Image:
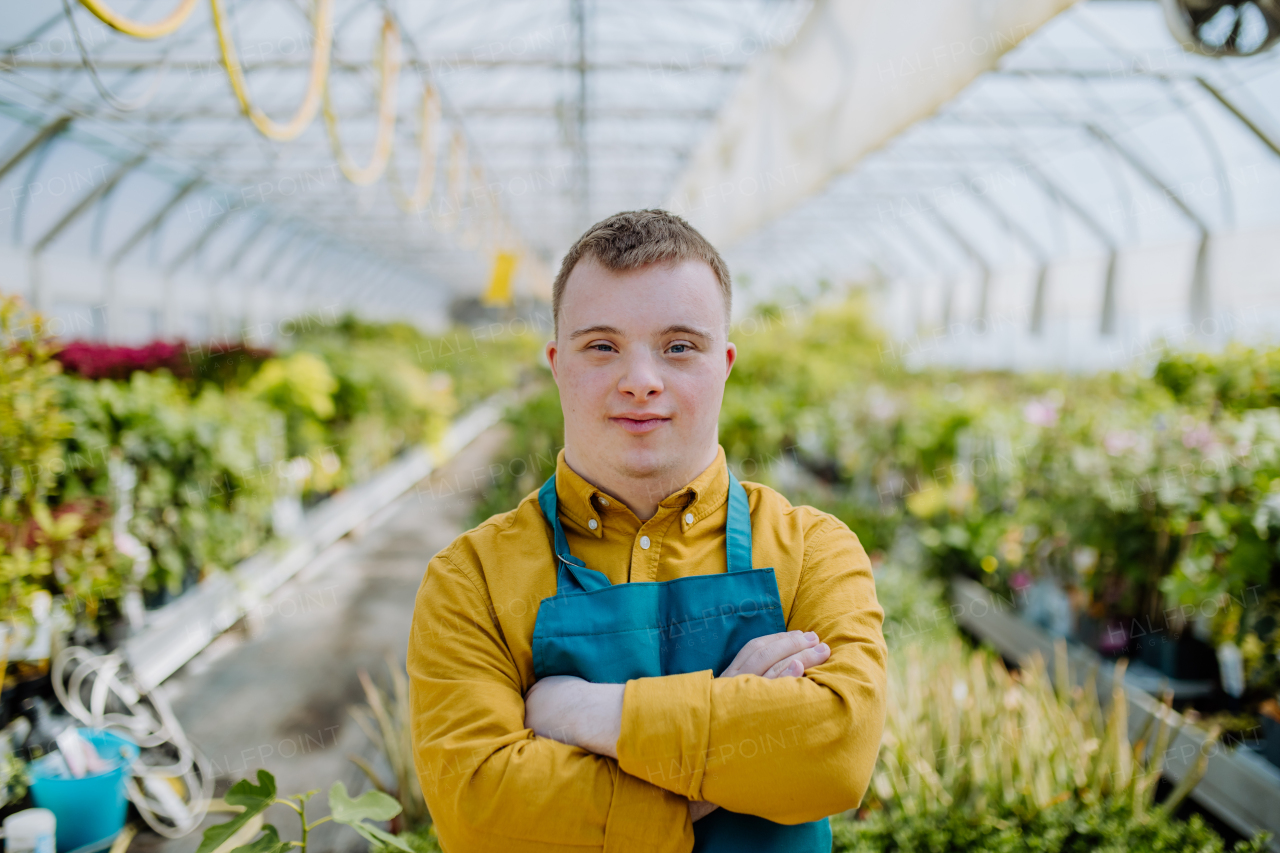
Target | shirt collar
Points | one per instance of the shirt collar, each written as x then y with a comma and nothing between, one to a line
582,502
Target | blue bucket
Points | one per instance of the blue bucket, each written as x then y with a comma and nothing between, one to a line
91,809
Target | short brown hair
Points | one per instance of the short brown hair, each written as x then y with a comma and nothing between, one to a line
637,238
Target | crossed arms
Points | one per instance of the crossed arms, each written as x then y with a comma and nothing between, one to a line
567,763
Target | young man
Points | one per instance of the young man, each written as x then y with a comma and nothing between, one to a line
646,654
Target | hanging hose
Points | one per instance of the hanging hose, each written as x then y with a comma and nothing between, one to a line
390,77
281,132
147,720
472,230
428,151
457,178
107,95
137,29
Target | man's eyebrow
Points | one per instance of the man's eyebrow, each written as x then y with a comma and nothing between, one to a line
608,330
688,330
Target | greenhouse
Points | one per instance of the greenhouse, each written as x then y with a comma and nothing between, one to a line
716,425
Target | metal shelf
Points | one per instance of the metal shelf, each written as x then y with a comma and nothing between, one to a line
1241,788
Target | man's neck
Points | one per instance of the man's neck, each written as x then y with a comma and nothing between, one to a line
641,495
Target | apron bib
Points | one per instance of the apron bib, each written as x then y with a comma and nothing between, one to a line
608,634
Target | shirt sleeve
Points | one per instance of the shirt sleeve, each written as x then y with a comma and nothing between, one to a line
490,783
792,749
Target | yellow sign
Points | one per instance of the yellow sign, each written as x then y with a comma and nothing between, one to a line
499,292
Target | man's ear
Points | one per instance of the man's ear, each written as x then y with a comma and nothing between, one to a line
551,352
730,356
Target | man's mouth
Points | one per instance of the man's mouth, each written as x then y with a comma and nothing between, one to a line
639,424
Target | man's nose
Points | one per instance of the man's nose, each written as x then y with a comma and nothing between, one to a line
641,377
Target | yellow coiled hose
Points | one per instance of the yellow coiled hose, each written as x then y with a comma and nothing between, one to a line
320,51
390,78
138,29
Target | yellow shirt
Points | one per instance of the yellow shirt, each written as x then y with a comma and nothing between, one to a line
790,749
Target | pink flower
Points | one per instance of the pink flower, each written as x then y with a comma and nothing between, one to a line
1199,436
1040,413
1118,441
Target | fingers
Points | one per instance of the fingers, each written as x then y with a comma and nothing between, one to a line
762,653
796,664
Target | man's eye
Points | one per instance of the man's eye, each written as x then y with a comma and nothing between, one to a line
598,347
679,349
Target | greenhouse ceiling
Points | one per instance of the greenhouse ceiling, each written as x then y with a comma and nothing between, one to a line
541,117
1077,182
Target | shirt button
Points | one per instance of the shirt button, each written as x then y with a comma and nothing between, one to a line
592,524
604,501
644,542
688,518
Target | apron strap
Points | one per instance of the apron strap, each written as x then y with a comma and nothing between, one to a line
737,529
573,575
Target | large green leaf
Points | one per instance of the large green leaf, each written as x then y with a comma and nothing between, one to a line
269,843
254,798
371,805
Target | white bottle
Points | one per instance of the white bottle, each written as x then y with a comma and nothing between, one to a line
30,831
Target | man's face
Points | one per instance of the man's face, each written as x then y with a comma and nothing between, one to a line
641,361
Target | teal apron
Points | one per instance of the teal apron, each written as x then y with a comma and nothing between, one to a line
609,634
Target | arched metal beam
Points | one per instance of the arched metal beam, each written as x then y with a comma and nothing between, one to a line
154,222
43,136
85,203
1198,301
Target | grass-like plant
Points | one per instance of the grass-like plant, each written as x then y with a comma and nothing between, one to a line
385,720
975,757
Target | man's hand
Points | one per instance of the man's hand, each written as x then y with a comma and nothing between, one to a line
776,655
577,712
772,656
698,809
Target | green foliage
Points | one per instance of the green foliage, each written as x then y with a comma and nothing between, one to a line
1237,379
48,545
301,387
1068,827
371,805
206,467
481,360
383,402
386,722
536,430
256,799
420,841
975,758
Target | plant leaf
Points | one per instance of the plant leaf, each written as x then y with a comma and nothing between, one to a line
269,843
381,837
254,798
371,805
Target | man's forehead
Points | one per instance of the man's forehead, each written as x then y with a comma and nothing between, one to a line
690,296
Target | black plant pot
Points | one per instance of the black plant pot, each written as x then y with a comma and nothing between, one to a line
1271,740
1184,658
1109,636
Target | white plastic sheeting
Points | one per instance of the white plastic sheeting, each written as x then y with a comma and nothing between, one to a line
1100,191
858,73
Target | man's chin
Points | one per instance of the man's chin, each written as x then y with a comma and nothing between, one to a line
644,462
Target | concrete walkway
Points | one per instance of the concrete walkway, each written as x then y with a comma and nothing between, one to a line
277,692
